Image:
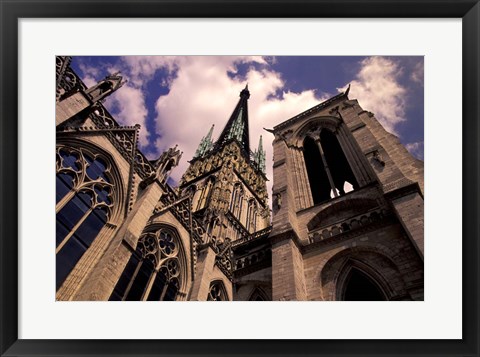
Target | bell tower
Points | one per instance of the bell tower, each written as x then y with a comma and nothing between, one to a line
347,208
227,180
227,185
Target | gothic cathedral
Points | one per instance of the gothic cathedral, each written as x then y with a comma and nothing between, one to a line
345,221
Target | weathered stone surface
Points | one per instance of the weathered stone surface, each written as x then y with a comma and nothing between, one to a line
221,216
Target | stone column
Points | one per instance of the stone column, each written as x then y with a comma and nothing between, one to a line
304,195
410,212
352,157
327,170
203,275
288,278
358,162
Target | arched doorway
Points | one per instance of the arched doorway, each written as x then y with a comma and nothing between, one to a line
360,287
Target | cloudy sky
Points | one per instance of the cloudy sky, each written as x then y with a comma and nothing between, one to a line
177,99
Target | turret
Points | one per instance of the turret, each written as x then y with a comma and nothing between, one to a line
259,156
105,87
205,145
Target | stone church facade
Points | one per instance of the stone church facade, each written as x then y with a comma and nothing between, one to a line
346,220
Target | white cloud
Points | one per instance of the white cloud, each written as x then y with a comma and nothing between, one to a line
141,69
202,94
417,73
416,149
378,90
90,74
129,103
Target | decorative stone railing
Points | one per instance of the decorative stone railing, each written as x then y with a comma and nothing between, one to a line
252,259
253,236
348,225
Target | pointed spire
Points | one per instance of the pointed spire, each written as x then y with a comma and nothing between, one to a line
245,92
209,135
259,156
206,144
237,126
348,90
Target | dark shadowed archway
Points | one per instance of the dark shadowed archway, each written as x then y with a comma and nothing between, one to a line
360,287
317,176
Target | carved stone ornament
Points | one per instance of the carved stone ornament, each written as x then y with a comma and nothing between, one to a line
378,158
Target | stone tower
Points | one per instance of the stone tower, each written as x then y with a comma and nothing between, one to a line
227,186
347,208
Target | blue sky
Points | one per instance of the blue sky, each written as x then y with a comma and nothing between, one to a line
177,99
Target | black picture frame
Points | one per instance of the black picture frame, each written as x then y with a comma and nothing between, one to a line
12,11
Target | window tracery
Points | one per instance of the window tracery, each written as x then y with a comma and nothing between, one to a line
237,201
206,193
251,221
217,292
154,271
84,202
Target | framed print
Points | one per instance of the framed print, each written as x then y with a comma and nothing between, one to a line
311,169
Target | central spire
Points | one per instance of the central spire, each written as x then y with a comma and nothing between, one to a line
237,126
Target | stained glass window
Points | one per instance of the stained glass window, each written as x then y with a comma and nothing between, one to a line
217,292
153,272
84,202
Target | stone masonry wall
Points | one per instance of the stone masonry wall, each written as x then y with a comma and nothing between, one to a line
206,273
288,281
387,250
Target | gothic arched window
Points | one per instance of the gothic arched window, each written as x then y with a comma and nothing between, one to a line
329,172
337,162
84,192
206,193
251,215
154,271
217,292
258,295
360,287
237,201
317,176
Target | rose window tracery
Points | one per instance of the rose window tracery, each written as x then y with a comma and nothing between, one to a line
217,292
154,271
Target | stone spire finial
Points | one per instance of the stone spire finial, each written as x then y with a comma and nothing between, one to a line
206,144
167,161
348,90
245,92
105,87
259,156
